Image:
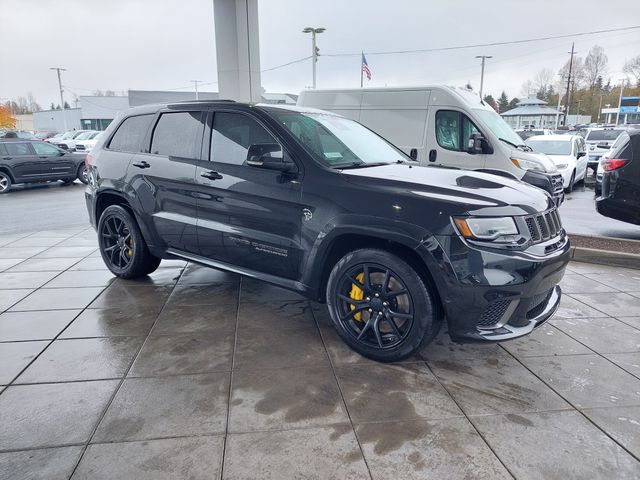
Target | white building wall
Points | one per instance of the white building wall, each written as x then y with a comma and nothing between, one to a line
54,120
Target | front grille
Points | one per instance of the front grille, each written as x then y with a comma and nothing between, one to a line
79,147
544,226
538,304
494,313
557,184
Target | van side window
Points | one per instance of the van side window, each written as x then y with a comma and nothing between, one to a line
453,130
233,134
178,134
130,134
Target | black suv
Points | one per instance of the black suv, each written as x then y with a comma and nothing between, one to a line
620,195
317,203
29,161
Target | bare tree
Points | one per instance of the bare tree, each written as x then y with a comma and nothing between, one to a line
33,105
98,93
632,67
527,89
543,79
109,93
577,72
595,65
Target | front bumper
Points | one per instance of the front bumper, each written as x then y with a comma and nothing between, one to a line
489,295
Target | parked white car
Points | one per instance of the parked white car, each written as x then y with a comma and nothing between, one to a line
568,152
525,133
83,146
86,135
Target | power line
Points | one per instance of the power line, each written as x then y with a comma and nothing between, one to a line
492,44
286,64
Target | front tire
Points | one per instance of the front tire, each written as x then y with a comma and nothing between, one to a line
572,181
380,306
83,174
5,182
122,246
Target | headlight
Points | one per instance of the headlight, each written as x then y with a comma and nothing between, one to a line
527,164
487,228
562,166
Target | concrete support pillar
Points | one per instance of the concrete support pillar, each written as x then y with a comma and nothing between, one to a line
237,49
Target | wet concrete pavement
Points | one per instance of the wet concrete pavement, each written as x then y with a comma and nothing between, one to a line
196,373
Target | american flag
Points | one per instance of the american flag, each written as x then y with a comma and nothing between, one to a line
365,67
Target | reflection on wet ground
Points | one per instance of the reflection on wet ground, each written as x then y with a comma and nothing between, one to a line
195,373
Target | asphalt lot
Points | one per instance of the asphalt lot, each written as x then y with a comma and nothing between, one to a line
195,373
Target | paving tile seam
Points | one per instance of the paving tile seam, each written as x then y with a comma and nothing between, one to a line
33,256
475,428
233,359
344,402
119,386
548,384
570,295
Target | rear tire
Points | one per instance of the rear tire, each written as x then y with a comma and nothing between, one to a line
122,245
380,306
5,182
569,188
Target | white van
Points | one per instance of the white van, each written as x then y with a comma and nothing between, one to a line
444,126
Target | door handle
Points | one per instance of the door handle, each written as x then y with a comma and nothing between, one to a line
142,164
211,175
432,155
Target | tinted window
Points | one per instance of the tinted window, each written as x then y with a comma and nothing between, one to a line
131,133
603,134
233,134
453,130
178,135
42,148
623,149
14,148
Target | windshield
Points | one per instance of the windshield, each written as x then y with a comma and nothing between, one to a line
85,136
524,134
606,135
338,141
68,135
498,126
550,147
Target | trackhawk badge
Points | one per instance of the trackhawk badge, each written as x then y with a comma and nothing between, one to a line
307,214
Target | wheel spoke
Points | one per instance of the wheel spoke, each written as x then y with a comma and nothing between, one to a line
385,282
397,293
405,316
356,282
112,247
351,313
355,303
376,329
367,280
365,328
393,325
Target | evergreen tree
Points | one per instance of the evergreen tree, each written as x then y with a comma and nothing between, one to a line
66,105
513,103
503,102
489,100
52,107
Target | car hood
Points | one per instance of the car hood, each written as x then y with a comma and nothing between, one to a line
558,159
463,191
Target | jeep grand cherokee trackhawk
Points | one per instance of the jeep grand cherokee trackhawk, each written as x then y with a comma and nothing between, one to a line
317,203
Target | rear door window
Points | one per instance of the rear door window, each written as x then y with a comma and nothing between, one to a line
16,149
623,150
131,134
178,134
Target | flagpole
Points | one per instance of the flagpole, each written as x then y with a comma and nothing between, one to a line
361,69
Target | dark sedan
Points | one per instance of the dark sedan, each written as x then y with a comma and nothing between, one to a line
30,161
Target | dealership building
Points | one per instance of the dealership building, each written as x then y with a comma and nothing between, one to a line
97,112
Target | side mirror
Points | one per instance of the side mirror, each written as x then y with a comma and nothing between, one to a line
413,154
581,154
269,156
476,143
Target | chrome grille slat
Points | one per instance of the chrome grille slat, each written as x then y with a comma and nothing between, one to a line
544,226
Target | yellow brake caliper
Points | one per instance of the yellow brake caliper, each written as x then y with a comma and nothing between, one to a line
357,294
130,250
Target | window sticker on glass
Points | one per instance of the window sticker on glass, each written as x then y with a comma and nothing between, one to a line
332,154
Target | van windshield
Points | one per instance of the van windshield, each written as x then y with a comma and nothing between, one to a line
498,126
338,141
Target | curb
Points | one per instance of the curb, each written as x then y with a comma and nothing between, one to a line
605,257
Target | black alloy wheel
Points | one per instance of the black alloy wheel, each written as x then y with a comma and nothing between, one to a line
381,308
122,246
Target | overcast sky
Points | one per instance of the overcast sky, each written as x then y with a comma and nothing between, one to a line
162,44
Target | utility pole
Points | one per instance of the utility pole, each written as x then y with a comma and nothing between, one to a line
622,80
64,114
566,109
195,82
314,49
600,108
483,57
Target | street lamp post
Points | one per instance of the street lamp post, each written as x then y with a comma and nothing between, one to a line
622,80
195,82
483,57
64,114
314,49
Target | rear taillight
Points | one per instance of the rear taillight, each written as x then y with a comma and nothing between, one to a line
611,164
88,160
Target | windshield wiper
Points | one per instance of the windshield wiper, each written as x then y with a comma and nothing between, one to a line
522,146
359,165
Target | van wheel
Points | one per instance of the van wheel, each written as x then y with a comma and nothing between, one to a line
122,246
5,182
380,306
569,188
